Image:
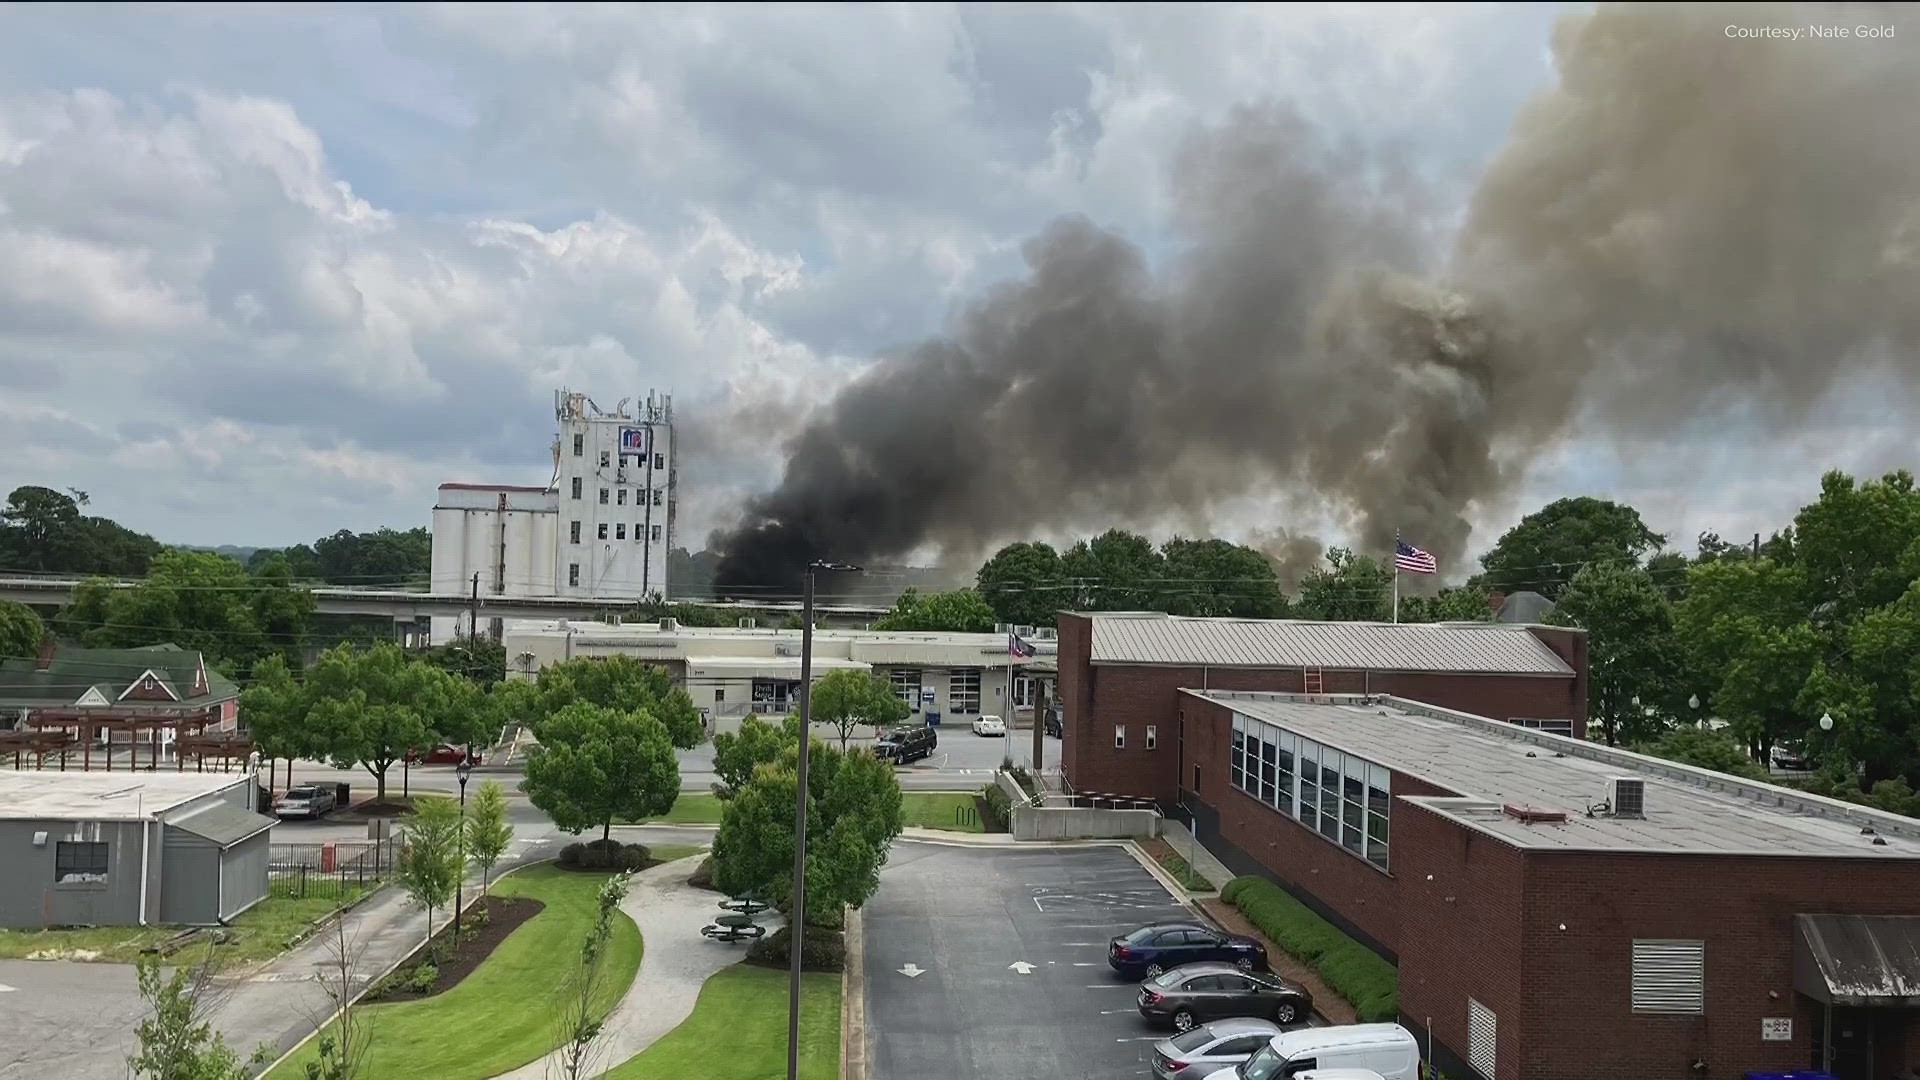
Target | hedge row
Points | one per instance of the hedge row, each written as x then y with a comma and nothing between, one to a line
605,855
821,949
1354,971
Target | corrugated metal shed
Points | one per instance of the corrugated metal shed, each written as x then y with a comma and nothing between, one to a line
1167,639
223,823
1857,959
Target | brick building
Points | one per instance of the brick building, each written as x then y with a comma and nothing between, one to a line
1120,675
1560,910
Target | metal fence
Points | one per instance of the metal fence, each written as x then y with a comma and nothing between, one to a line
338,871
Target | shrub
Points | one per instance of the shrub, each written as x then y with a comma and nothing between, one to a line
703,875
606,855
1354,971
422,978
820,950
476,918
999,808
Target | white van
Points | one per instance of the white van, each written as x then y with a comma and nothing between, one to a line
1339,1074
1388,1050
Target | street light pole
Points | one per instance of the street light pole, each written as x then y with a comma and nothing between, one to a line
797,910
461,772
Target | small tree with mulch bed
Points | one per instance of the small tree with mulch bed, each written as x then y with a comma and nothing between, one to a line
579,1027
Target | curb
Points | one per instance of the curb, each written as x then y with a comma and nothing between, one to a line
1165,879
853,1002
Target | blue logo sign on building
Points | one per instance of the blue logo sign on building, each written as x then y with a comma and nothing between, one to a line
633,440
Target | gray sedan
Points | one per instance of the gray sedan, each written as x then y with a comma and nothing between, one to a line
1209,1048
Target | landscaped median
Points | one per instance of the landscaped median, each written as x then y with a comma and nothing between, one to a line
924,809
738,1031
1351,970
501,1015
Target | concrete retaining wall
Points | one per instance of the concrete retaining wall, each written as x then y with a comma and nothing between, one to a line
1064,823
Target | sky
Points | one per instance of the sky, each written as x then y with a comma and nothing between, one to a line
267,272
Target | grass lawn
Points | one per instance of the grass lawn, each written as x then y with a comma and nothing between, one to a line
1186,875
502,1015
670,852
738,1031
262,931
926,809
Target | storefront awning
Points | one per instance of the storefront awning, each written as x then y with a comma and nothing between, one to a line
1857,959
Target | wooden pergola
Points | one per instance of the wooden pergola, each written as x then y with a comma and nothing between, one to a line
37,743
83,724
228,747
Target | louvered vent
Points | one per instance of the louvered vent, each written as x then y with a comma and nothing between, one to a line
1670,977
1482,1037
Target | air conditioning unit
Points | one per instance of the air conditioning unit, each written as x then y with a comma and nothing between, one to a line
1627,796
1047,633
669,625
782,649
749,623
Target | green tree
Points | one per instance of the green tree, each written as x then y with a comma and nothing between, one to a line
1216,578
273,710
1350,588
581,1024
1706,749
957,611
1549,546
200,601
737,754
488,830
692,574
384,556
432,855
480,660
20,629
1466,603
43,530
1630,647
595,766
1021,582
281,610
177,1042
848,698
1668,569
1853,544
369,707
1746,642
622,684
1115,571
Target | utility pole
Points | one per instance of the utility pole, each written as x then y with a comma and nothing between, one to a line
797,915
1039,728
473,612
1756,545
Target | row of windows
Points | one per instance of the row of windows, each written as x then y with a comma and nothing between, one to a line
79,860
1344,798
619,532
608,495
580,450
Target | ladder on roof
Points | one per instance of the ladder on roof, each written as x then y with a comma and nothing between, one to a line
1312,681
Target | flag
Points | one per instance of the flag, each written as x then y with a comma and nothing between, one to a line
1412,559
1018,648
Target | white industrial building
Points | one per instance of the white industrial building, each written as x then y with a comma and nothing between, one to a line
731,672
600,528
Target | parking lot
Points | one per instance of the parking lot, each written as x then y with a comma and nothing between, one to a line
994,963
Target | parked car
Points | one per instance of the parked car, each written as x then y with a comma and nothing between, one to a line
990,726
1388,1050
1209,1048
1159,947
1196,993
1056,724
905,744
444,754
307,801
1791,758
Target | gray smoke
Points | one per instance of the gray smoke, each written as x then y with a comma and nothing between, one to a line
1685,223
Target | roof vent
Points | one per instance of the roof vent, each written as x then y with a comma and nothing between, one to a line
749,623
669,625
1533,815
1626,797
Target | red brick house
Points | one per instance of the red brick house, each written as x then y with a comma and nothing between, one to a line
1560,910
1121,673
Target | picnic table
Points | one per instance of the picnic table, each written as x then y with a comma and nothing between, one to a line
746,905
733,927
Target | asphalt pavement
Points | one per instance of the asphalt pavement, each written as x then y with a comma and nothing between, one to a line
993,963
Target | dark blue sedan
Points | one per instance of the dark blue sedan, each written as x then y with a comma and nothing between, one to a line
1160,947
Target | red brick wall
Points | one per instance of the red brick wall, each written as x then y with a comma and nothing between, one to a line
1742,907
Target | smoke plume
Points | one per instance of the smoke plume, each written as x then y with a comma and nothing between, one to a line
1686,221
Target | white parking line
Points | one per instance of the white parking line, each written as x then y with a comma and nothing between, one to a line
1076,963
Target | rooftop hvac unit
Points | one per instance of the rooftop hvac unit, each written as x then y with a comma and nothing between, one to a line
1047,633
1627,796
669,625
782,649
748,623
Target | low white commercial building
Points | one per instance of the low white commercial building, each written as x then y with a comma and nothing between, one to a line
731,672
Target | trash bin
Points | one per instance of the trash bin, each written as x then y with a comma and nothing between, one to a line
933,719
342,794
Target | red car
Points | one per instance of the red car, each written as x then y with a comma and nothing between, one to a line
444,754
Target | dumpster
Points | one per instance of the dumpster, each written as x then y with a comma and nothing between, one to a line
933,719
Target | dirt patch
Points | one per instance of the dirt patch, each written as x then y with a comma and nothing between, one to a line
504,914
1325,1001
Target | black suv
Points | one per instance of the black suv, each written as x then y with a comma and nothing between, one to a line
1160,947
905,744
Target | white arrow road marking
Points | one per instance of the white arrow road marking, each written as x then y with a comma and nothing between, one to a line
5,989
913,971
1077,963
1021,966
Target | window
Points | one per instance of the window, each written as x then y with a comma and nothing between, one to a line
656,538
576,494
1551,727
1670,977
1330,793
1378,799
79,860
573,573
603,464
1119,740
720,695
621,500
573,536
659,496
1353,806
963,691
620,533
1153,739
1283,773
579,445
659,461
1344,798
1309,784
1237,772
603,536
603,496
1482,1031
906,686
1269,770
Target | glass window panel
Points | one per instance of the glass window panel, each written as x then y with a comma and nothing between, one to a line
1354,821
1284,777
1377,830
1355,789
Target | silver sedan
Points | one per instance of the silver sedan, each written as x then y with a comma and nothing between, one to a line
1209,1048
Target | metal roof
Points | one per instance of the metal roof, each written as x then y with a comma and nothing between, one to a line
223,823
1490,763
1857,959
103,796
1171,639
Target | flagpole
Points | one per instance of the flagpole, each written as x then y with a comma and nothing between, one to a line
1396,576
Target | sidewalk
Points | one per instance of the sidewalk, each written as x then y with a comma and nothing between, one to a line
675,961
1203,861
